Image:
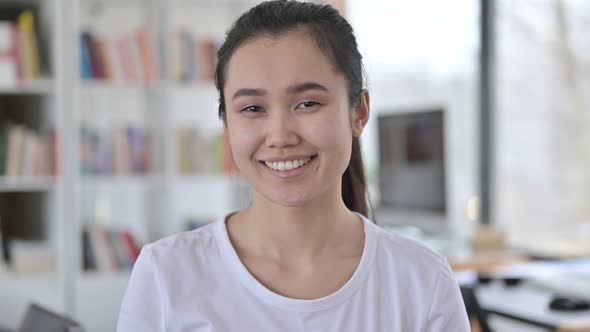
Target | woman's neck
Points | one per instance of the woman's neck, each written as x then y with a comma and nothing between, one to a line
297,234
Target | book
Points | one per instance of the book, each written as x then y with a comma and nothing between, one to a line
31,257
104,57
102,248
8,61
54,152
16,137
137,62
3,143
108,248
188,65
121,256
147,54
91,48
88,261
130,245
85,62
4,247
176,56
23,152
125,52
121,152
207,55
138,149
29,45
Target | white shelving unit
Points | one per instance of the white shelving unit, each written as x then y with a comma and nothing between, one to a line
158,203
36,202
152,204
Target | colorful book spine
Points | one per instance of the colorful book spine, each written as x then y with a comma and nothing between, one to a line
147,54
124,50
8,65
108,248
25,22
85,62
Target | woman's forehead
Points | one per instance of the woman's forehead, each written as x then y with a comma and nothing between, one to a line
271,61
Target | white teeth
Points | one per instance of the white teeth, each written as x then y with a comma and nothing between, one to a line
286,165
289,165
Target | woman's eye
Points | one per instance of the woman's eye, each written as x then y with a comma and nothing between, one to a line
307,104
251,109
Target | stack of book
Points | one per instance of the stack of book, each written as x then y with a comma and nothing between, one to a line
201,154
108,249
130,57
24,256
19,53
23,152
192,59
123,151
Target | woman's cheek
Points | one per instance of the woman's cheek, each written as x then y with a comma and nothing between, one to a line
332,134
243,142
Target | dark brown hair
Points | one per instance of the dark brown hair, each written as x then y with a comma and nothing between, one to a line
335,38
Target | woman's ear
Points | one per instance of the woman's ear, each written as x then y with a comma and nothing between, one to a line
361,113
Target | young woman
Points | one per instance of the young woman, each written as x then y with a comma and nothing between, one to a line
304,256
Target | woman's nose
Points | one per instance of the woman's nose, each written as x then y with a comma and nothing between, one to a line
281,131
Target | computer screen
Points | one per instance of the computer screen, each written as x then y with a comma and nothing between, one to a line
412,161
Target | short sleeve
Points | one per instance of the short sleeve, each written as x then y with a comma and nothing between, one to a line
448,312
143,307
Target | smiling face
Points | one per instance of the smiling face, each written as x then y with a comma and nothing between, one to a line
288,120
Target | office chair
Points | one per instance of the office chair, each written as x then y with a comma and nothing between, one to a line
473,308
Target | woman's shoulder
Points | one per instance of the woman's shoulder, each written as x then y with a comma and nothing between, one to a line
201,240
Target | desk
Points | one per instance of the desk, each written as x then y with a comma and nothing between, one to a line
530,305
529,301
484,262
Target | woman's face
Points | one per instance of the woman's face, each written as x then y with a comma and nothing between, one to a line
288,119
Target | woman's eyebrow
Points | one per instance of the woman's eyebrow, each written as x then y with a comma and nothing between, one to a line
248,92
299,88
305,87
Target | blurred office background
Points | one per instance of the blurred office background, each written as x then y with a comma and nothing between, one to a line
478,145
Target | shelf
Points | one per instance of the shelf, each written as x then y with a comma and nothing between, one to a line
24,184
37,87
118,86
196,178
106,276
110,86
24,281
122,180
191,85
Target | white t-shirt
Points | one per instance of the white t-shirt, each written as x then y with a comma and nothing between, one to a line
195,281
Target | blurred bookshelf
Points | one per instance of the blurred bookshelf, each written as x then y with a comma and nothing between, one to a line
109,140
33,263
145,86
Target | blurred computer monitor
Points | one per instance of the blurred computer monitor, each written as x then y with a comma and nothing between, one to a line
412,184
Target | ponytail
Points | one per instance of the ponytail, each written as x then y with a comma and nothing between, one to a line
354,182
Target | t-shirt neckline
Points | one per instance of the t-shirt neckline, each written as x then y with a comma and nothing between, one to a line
249,281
